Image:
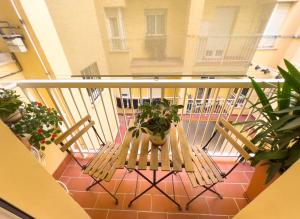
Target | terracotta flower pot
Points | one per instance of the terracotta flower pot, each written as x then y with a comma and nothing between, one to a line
156,139
257,183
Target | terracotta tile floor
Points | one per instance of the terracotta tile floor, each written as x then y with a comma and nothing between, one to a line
99,204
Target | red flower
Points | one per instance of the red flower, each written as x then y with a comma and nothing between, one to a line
43,141
39,104
54,136
61,118
40,131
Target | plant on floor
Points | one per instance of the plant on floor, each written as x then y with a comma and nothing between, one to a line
9,103
155,118
39,123
278,133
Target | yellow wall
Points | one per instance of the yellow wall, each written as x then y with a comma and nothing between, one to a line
32,67
279,201
77,29
25,184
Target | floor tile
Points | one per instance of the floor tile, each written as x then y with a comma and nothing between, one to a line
198,206
225,206
122,215
127,186
97,214
73,171
230,190
163,204
108,185
79,183
152,215
212,217
236,177
143,203
241,202
182,216
105,201
85,199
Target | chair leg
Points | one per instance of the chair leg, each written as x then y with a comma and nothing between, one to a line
206,189
99,183
123,177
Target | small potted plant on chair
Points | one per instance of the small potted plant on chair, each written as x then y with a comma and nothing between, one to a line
155,119
38,127
9,106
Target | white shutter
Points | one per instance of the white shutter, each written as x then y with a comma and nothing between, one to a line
116,29
274,25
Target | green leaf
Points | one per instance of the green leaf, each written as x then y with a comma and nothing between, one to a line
131,128
263,99
291,125
290,79
293,70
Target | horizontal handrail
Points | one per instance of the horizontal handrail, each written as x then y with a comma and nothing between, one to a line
92,83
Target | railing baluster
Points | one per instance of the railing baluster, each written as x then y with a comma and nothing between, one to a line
87,111
115,114
40,97
71,113
192,108
97,114
65,121
79,113
229,114
221,114
210,114
123,109
202,107
184,98
105,113
132,106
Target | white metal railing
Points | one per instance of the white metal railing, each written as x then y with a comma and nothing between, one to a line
205,101
226,49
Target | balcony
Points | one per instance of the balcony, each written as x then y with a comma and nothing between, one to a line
112,104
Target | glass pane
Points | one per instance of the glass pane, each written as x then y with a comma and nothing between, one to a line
150,24
160,24
114,26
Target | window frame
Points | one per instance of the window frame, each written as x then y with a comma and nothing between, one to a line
121,29
156,12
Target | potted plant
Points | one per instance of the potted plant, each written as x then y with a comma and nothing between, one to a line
9,106
277,135
39,125
155,119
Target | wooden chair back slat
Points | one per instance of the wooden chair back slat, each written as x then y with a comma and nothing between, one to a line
77,136
241,137
238,147
64,135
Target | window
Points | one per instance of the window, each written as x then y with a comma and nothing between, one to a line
92,72
115,29
155,22
274,25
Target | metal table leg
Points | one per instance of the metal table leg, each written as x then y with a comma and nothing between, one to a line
154,183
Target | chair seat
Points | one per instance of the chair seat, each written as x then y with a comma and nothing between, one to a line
205,170
103,165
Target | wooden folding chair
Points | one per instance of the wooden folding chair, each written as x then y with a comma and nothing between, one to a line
207,174
103,165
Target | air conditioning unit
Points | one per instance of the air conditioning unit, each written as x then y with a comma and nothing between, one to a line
156,47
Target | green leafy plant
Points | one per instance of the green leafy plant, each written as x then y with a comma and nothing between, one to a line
156,118
277,135
9,102
39,123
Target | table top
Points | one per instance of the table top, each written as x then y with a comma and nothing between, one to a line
174,155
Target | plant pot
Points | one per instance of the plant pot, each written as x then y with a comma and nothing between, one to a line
156,139
257,182
14,117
